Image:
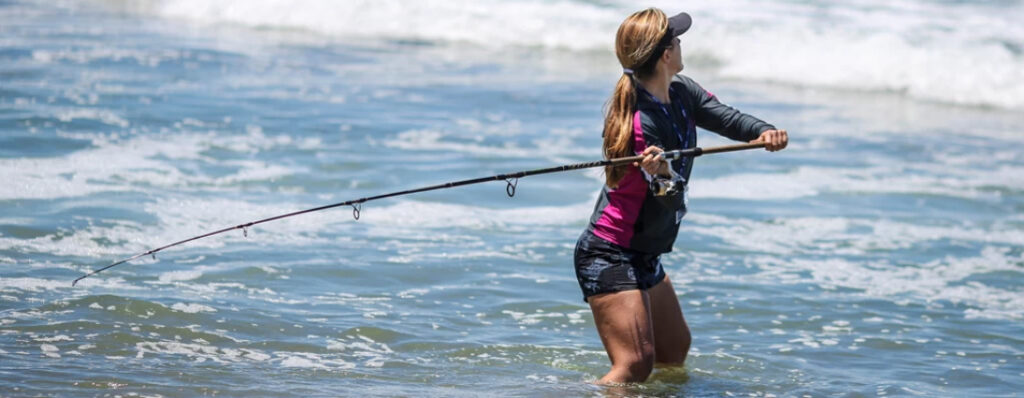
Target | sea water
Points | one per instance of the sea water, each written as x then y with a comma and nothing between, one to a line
880,254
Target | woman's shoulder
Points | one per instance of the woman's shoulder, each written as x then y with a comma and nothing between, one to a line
684,80
689,85
691,89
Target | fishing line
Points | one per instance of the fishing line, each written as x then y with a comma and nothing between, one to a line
511,179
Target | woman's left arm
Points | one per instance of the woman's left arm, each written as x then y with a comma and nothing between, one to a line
725,120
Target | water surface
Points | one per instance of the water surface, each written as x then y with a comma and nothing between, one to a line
881,254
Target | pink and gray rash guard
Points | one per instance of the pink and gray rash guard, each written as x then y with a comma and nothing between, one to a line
630,215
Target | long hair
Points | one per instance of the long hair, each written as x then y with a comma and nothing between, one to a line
636,41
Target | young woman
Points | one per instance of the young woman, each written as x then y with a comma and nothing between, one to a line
637,215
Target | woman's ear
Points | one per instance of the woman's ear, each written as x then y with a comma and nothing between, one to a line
666,56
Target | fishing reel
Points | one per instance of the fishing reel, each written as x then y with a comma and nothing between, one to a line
661,186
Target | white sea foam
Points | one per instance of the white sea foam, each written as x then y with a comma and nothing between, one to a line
181,218
59,337
947,53
42,285
941,279
817,247
546,24
300,362
184,275
86,55
192,308
556,146
50,350
101,115
193,350
810,181
372,353
314,361
960,53
444,215
114,164
841,235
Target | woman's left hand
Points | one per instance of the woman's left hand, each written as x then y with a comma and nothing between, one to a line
774,140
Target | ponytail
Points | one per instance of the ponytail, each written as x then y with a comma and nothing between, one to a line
636,43
618,128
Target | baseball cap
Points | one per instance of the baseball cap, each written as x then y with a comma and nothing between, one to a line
679,24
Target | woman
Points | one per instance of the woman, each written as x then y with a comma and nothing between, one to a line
637,215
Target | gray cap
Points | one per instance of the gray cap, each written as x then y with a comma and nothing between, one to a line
679,24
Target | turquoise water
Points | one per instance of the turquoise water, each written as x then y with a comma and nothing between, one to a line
881,254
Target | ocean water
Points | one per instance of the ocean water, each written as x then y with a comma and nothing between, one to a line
881,254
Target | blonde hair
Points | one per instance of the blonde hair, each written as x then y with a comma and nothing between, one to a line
636,41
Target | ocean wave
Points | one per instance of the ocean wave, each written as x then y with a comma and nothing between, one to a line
965,53
114,164
946,279
810,181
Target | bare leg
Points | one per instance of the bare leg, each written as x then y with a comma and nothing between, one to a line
671,334
624,322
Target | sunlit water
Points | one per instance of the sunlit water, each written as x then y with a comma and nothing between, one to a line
881,254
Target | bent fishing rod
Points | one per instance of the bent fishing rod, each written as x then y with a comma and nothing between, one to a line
512,179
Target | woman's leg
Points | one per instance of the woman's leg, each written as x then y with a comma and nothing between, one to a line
671,334
623,320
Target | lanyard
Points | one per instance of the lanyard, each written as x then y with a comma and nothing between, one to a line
684,141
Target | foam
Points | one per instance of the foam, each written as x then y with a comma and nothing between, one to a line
938,67
59,337
114,164
192,308
299,362
151,58
549,24
816,249
186,275
821,235
195,350
959,53
444,215
312,361
102,115
37,285
50,350
936,280
523,318
974,182
361,346
179,219
557,146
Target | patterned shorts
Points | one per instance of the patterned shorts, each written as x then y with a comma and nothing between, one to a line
604,267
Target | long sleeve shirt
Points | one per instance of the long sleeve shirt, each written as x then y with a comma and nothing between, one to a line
630,215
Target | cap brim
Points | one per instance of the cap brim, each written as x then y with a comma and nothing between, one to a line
679,24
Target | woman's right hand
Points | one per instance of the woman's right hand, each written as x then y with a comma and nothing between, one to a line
653,163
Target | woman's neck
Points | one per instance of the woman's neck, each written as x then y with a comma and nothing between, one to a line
657,85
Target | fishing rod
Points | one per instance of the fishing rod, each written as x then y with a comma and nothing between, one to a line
512,179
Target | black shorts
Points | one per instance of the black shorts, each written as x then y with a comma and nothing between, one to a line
604,267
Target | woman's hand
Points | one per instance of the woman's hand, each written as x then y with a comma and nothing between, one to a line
774,140
653,163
